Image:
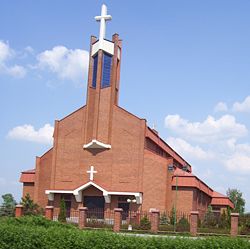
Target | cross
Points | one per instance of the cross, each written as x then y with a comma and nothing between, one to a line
91,173
102,19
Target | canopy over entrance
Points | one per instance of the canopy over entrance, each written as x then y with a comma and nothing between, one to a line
106,194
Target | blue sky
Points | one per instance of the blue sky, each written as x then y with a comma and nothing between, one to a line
185,68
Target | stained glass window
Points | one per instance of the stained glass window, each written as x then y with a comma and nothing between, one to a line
106,70
95,71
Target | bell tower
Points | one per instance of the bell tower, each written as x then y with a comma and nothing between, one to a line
103,86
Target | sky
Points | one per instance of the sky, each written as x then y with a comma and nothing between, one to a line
185,68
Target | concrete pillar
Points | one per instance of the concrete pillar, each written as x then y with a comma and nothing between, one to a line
234,224
49,210
117,219
193,222
155,220
82,217
19,211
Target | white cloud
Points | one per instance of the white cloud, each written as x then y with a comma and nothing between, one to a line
243,106
238,162
221,107
28,133
29,49
6,53
16,71
65,63
210,130
187,150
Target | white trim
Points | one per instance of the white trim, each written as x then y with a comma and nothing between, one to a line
104,45
95,144
76,191
47,192
106,194
119,54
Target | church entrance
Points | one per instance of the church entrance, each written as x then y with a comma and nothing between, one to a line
95,205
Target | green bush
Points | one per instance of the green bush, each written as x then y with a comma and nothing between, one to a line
36,232
145,224
62,212
210,219
224,221
183,225
30,207
164,219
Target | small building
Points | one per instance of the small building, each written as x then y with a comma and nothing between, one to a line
105,157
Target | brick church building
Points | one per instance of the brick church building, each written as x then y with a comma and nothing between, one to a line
105,157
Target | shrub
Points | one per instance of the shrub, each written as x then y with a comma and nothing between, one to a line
62,212
210,219
172,216
163,219
224,220
183,225
145,224
30,207
51,235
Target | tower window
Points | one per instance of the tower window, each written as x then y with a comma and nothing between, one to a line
106,70
95,64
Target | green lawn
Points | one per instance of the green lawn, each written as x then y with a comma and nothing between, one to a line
36,232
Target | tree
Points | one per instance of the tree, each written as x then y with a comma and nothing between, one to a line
236,197
29,206
62,212
8,206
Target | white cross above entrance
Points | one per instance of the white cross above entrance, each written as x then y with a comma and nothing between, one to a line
91,173
102,19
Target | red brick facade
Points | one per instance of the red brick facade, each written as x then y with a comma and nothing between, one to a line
132,162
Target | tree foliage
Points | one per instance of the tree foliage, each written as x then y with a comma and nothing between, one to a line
62,212
8,206
210,219
236,197
29,206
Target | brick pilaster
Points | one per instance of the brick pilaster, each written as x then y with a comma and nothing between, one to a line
117,219
155,220
234,224
82,217
49,210
19,211
194,222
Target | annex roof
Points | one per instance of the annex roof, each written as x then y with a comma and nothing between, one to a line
28,176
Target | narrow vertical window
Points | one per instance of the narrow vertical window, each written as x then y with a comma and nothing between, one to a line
106,70
95,64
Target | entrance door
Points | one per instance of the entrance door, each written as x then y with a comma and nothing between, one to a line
95,205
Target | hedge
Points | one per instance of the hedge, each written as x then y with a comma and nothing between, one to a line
36,232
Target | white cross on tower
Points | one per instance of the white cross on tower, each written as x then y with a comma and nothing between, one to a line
91,173
102,19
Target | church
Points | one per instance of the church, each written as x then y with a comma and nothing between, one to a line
105,157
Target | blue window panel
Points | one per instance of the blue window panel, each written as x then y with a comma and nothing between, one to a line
95,71
106,70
